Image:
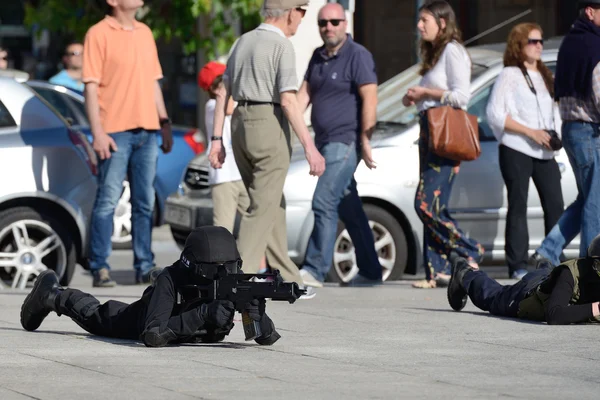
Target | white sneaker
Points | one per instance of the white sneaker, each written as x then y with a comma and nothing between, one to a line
310,293
310,280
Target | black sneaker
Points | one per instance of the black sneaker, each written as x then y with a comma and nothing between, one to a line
457,295
40,301
102,278
539,262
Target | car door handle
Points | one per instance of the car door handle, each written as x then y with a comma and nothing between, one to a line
562,167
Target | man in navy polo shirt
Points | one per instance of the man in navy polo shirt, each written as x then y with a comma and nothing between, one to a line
341,84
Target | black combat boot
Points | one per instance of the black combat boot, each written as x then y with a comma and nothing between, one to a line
457,295
40,301
539,262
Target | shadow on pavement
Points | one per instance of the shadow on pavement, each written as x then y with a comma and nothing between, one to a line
478,313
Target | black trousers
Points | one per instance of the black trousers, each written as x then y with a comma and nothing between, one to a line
157,308
517,168
501,300
111,319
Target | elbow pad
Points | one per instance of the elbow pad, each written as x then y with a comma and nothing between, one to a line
153,337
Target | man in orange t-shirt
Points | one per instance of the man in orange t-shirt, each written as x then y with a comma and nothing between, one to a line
126,110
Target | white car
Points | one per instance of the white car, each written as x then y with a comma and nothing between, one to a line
48,188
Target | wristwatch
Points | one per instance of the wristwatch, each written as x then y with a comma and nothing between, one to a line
164,121
216,138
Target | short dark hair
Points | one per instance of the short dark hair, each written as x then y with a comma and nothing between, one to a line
582,9
214,86
71,43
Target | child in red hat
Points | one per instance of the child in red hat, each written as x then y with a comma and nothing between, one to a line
227,188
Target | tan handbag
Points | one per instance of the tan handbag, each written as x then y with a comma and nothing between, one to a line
453,133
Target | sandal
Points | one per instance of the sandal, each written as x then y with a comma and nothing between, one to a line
424,284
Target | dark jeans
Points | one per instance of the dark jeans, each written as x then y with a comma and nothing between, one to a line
441,234
501,300
517,168
336,197
136,157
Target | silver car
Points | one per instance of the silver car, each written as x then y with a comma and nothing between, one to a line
478,198
48,188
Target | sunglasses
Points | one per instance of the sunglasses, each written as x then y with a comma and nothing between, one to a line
335,22
535,41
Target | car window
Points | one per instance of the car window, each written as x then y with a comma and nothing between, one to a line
477,107
6,120
58,102
80,106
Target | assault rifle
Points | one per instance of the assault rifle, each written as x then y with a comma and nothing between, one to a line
240,289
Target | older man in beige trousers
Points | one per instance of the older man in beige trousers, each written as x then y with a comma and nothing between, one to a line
261,77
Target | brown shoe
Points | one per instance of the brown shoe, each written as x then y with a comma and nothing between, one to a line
102,278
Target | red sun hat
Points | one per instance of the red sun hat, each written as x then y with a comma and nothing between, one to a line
209,72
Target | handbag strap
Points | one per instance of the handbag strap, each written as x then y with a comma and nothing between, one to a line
532,88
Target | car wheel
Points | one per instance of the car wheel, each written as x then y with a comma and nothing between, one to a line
30,243
121,237
390,243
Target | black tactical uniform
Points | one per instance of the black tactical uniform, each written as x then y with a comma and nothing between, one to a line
558,296
156,319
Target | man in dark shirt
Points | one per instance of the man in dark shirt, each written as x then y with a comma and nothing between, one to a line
341,84
569,293
156,319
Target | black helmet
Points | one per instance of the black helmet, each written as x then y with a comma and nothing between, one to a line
585,3
211,252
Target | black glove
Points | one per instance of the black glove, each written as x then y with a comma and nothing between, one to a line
255,309
219,313
269,334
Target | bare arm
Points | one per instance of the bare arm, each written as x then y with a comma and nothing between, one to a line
217,151
291,109
160,101
368,95
230,106
303,96
165,130
93,108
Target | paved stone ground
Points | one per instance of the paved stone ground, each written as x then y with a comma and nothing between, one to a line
385,343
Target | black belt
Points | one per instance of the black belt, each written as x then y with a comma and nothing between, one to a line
257,103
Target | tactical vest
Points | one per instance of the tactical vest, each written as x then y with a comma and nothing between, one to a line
532,307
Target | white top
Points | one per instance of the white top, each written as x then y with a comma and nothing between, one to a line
511,96
229,170
451,73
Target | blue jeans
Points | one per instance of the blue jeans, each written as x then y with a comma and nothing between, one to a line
136,158
336,197
582,145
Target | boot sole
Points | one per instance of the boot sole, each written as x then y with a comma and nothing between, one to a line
450,291
35,288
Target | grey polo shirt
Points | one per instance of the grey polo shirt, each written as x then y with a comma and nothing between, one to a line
261,66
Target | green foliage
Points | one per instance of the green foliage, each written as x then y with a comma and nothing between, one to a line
168,19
